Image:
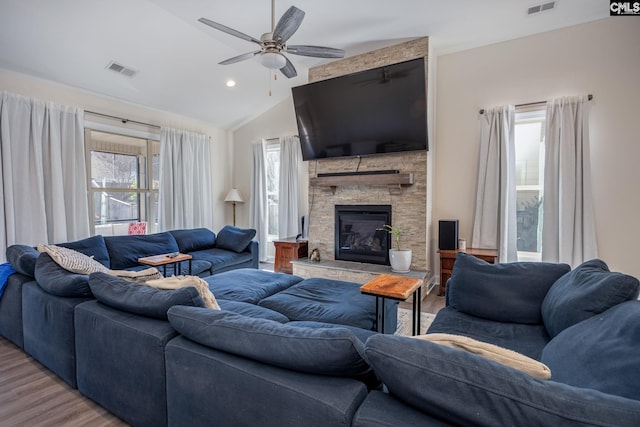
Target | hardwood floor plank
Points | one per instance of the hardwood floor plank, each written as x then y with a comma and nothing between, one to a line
31,395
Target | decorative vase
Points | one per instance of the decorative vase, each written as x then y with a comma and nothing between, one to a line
400,260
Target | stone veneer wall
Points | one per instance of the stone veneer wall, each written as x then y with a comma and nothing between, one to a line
409,209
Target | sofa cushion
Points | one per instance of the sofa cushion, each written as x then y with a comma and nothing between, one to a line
525,339
234,238
600,353
508,292
71,260
249,284
319,351
195,239
362,334
251,310
58,281
466,389
23,259
139,299
219,259
491,351
588,290
325,300
125,250
94,247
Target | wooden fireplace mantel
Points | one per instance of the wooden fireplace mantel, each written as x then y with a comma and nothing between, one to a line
393,181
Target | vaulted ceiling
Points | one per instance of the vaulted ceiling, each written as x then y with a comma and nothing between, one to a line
175,58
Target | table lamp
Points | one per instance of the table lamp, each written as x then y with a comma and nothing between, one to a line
234,197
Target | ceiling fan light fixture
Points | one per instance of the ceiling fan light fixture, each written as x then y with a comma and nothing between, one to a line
272,60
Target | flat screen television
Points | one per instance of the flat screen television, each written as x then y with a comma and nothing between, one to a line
381,110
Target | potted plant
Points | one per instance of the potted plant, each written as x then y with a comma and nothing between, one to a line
400,258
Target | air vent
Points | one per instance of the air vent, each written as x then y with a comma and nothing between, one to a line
121,69
541,8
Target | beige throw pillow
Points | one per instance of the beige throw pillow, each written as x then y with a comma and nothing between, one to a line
73,261
175,282
490,351
140,276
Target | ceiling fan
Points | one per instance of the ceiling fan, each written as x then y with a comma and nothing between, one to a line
273,44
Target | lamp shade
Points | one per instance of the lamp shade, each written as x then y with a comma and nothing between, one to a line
272,60
234,196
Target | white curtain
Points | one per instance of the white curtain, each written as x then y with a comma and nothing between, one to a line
258,204
568,224
494,224
43,190
288,194
186,199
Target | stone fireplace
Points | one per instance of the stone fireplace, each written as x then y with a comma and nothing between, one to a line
409,207
358,236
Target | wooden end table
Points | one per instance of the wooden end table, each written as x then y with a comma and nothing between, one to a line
287,250
166,259
398,288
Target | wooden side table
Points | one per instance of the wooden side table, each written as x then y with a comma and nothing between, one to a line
165,259
448,258
287,250
399,288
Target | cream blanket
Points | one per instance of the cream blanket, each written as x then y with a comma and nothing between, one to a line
176,282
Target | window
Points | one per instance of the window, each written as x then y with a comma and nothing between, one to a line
123,181
529,153
273,184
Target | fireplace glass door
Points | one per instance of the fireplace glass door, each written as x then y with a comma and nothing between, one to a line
358,235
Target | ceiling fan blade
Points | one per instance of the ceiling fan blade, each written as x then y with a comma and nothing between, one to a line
316,51
239,58
288,24
228,30
288,70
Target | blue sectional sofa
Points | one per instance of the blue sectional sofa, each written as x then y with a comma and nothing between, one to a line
283,351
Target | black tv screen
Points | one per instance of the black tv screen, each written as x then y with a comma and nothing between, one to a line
382,110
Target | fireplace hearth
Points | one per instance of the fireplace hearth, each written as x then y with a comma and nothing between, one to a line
357,237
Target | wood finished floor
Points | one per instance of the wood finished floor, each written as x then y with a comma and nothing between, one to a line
31,395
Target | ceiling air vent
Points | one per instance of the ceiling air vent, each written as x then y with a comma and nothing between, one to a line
541,8
121,69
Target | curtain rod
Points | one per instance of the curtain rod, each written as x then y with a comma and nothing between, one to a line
589,97
123,120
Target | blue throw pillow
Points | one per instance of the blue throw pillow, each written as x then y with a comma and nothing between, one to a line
588,290
467,389
92,246
234,239
125,250
195,239
58,281
140,299
600,353
325,351
509,292
23,259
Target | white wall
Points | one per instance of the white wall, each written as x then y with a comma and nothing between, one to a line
278,121
600,58
61,94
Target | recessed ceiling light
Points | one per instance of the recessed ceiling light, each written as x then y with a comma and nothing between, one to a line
231,83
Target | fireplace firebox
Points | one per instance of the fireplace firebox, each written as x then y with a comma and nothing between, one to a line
357,234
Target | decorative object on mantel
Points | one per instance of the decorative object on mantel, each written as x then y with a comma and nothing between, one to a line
400,259
315,255
234,197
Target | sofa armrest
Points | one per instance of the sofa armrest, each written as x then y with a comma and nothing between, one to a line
509,292
253,248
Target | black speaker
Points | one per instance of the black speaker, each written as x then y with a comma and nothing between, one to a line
448,234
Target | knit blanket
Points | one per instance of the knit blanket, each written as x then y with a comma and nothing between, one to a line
6,270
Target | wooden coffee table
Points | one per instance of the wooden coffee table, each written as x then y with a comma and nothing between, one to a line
166,259
398,288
